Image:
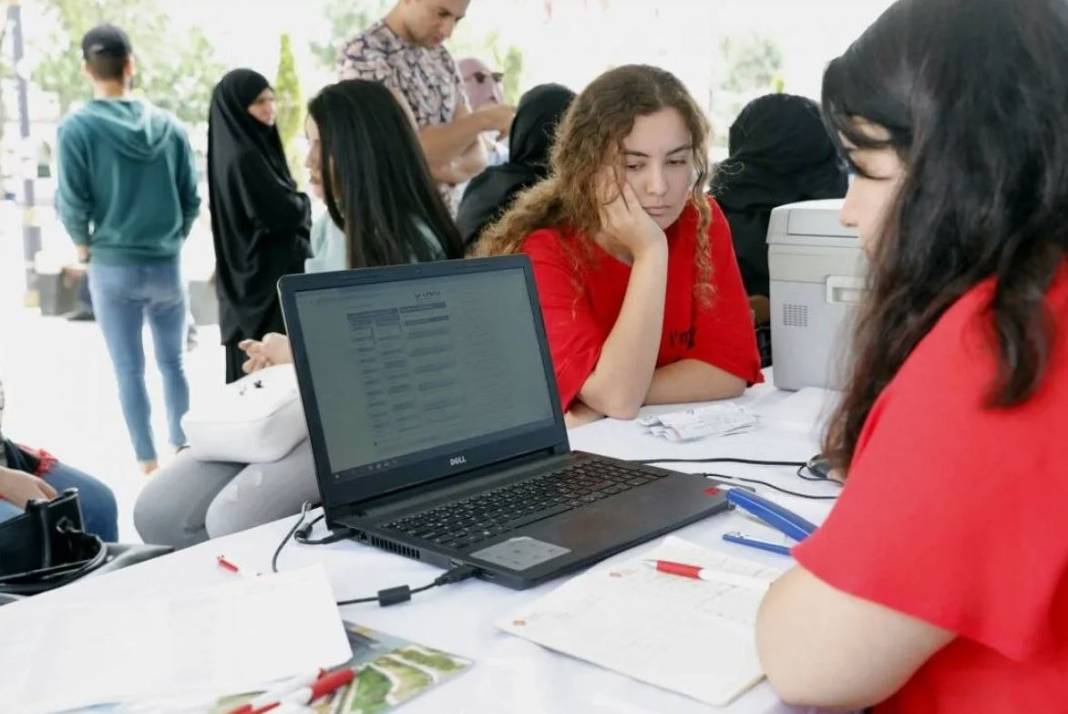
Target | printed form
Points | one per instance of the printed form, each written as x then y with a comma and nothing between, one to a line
695,637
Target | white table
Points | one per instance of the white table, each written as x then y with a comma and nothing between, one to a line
510,674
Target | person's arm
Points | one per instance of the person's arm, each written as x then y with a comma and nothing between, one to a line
186,180
866,651
462,168
74,195
691,380
18,487
453,171
454,151
620,381
723,357
468,164
580,414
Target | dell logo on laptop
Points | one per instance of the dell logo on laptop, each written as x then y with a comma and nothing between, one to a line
457,460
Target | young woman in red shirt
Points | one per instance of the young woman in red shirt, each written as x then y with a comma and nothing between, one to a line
639,286
939,582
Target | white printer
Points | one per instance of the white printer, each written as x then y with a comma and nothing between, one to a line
817,273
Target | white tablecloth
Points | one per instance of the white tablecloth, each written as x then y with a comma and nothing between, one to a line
510,674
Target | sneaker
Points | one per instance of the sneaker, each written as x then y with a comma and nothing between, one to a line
82,314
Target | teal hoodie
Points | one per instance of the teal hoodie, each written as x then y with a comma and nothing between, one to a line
127,181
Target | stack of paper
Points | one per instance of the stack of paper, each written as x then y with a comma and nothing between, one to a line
712,420
230,637
690,636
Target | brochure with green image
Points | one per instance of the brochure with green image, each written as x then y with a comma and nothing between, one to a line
389,671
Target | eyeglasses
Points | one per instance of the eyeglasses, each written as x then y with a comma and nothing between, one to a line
481,76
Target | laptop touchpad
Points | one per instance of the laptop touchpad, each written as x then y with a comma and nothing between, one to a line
520,553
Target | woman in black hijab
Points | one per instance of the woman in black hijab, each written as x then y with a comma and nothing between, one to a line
779,153
490,193
260,222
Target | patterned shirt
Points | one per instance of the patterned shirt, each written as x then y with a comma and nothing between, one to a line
426,77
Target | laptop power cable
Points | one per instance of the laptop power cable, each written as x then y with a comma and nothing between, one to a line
814,469
385,597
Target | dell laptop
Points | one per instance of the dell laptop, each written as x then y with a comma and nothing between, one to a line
437,431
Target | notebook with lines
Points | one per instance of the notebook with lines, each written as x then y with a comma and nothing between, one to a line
437,431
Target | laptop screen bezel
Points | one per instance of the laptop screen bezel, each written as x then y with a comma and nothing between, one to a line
349,493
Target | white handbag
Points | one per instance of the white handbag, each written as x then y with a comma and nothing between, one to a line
257,419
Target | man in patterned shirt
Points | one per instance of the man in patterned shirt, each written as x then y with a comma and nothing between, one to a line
404,51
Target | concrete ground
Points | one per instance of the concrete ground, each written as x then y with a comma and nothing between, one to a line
60,389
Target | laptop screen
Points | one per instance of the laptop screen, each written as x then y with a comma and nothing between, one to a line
422,368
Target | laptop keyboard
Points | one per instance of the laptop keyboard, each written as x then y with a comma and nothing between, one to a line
467,521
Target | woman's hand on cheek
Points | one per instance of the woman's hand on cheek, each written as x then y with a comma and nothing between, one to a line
624,219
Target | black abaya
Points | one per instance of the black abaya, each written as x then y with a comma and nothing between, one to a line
779,153
529,144
259,220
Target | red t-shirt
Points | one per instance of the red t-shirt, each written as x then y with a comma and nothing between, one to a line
578,324
957,514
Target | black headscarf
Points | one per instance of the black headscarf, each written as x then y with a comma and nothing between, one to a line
779,153
530,141
259,221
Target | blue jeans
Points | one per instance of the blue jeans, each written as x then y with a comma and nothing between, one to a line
99,512
123,296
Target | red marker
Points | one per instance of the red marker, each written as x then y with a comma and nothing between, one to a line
232,567
719,576
326,684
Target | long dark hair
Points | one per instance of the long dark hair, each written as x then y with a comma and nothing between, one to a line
376,182
974,103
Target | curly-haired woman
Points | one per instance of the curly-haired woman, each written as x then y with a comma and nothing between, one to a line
636,274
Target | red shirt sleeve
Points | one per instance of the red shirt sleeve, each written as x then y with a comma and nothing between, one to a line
575,337
954,512
725,336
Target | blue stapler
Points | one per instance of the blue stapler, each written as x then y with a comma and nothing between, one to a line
773,514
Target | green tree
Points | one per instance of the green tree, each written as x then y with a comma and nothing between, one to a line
752,64
184,84
512,66
176,74
290,103
346,18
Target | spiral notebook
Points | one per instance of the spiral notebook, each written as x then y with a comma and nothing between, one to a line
694,637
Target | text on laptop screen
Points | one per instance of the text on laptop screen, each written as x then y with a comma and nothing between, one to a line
402,370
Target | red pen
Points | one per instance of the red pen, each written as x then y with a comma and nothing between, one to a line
326,684
719,576
226,564
274,695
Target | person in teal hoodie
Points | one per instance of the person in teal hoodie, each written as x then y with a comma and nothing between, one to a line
128,198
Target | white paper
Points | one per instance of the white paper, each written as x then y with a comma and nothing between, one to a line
220,639
805,410
720,419
694,637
